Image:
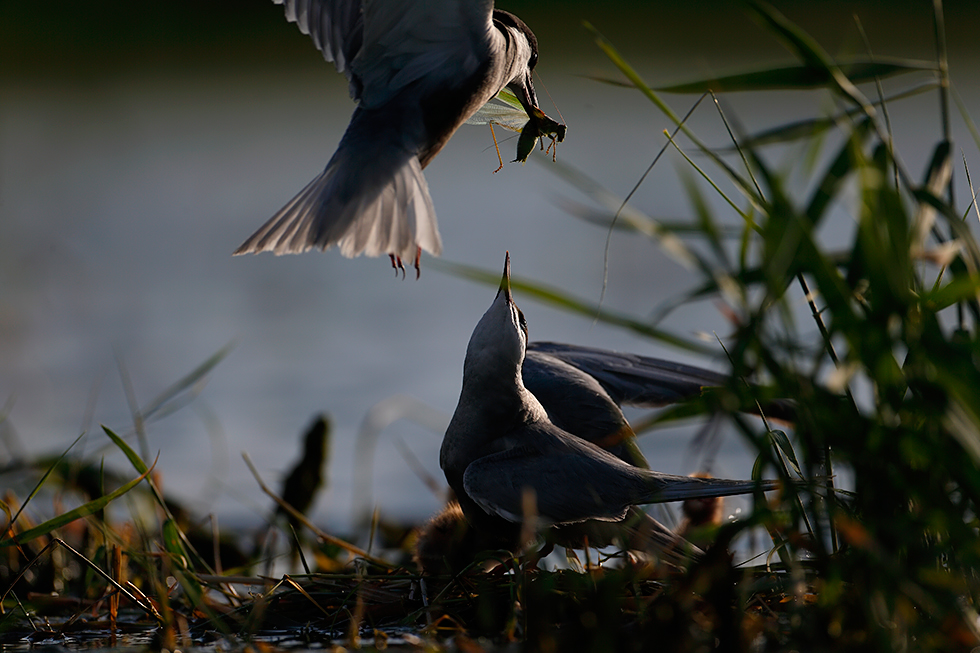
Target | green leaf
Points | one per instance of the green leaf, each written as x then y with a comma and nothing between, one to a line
967,118
799,76
140,466
631,74
637,222
963,288
842,166
743,185
627,216
133,457
783,445
810,127
813,56
81,511
192,378
172,543
501,111
37,487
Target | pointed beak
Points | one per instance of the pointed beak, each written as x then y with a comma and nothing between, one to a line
538,121
505,280
524,90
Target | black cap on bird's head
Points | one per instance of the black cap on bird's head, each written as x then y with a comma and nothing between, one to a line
521,85
512,21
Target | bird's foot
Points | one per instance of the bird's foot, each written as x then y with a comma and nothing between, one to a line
397,265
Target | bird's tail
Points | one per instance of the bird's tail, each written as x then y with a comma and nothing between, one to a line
371,199
665,488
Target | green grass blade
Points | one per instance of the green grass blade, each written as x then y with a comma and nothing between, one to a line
174,541
843,164
955,221
131,455
173,544
81,511
810,127
631,74
799,77
711,182
744,186
631,220
188,381
44,477
810,52
744,278
967,118
141,467
627,215
782,443
706,222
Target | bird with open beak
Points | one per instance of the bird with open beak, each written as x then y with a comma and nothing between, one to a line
418,70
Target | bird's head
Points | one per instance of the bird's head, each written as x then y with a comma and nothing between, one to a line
499,341
525,58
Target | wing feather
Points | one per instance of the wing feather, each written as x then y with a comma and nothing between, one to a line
337,30
440,41
634,379
570,485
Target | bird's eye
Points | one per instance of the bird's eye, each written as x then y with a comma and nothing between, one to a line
522,322
533,61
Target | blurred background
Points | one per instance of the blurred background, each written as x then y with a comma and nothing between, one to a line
140,143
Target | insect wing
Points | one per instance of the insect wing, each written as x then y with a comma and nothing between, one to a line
504,109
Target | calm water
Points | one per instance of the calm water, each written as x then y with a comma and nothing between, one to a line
122,199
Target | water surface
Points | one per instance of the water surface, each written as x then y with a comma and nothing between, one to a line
122,197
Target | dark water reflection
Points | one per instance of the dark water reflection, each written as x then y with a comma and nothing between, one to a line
122,198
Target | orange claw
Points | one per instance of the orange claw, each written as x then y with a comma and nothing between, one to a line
396,263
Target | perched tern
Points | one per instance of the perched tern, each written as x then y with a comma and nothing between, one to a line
504,444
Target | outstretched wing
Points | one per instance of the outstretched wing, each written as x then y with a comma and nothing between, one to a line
336,27
441,41
633,379
643,381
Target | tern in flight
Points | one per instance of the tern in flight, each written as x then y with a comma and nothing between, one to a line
417,70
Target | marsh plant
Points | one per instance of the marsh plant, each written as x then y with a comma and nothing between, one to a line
882,365
872,342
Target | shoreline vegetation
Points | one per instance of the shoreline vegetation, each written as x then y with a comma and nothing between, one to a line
874,342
